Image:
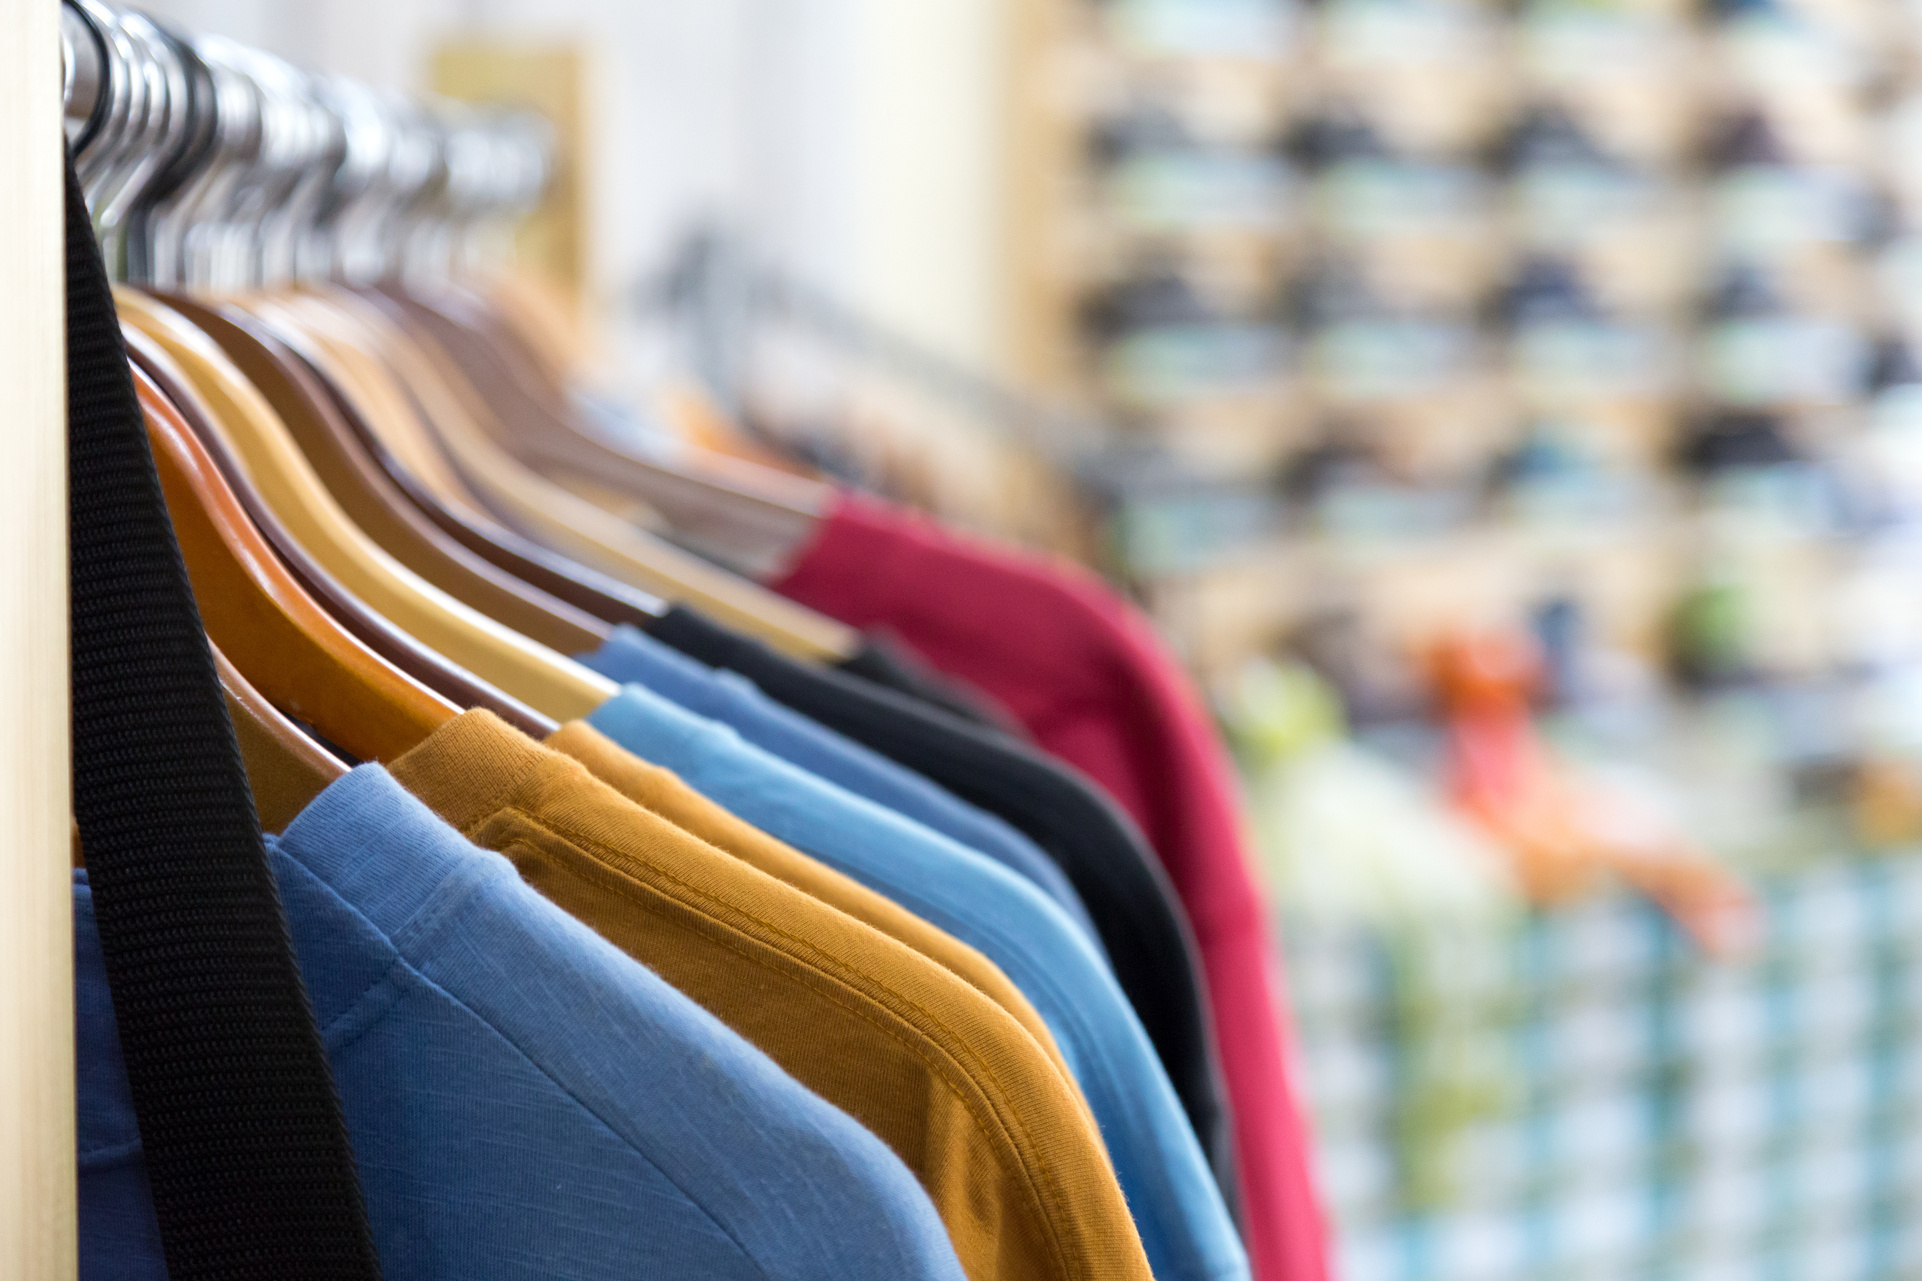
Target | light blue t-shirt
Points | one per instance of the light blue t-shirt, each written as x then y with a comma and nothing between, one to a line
525,1101
1177,1207
637,658
631,656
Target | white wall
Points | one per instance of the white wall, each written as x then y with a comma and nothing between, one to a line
928,137
856,140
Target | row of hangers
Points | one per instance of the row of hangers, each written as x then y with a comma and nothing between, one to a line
389,504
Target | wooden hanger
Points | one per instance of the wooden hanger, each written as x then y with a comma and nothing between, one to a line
397,410
291,650
751,518
351,331
567,580
286,769
370,498
430,668
352,383
546,322
584,532
554,685
363,391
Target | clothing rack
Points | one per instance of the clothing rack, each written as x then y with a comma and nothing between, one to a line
214,166
371,185
718,292
211,176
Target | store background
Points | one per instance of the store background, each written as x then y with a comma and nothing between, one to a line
854,141
1453,382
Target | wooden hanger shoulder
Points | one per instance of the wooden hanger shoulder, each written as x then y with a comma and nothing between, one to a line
550,682
290,649
400,649
750,517
321,334
373,504
286,769
584,532
588,589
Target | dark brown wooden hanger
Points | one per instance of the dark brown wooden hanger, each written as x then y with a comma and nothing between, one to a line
578,585
710,507
371,500
427,666
291,650
286,768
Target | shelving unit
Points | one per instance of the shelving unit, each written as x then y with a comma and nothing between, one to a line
1384,271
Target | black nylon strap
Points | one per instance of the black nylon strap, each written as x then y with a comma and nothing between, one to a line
246,1149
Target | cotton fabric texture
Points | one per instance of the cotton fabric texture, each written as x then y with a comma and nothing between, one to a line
629,655
940,1073
880,661
524,1101
1087,677
1183,1221
661,791
1133,905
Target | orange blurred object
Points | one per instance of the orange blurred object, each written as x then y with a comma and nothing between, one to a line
697,419
1565,834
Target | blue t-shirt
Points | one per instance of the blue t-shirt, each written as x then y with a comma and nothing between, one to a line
631,656
1177,1207
525,1101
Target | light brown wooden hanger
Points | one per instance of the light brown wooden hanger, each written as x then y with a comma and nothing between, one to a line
289,649
370,498
330,341
552,683
586,589
286,769
413,659
751,518
550,514
545,321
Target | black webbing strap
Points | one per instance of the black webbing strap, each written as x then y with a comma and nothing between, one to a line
246,1150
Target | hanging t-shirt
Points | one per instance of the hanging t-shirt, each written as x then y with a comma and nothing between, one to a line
1183,1221
631,656
517,1091
935,1069
882,662
1129,897
1088,677
663,792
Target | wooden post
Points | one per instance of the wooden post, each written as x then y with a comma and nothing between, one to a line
1038,232
37,1219
550,79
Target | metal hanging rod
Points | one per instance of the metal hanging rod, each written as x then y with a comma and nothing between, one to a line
210,165
720,293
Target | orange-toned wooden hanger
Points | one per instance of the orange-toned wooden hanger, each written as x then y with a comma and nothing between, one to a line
286,646
400,649
370,499
286,769
551,683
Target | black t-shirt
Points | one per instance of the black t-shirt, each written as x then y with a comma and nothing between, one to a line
1104,856
881,661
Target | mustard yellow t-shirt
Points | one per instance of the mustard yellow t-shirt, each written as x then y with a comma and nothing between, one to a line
662,791
941,1073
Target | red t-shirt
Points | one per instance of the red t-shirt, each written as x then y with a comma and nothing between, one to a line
1087,676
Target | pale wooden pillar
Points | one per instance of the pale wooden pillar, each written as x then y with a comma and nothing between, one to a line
37,1226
